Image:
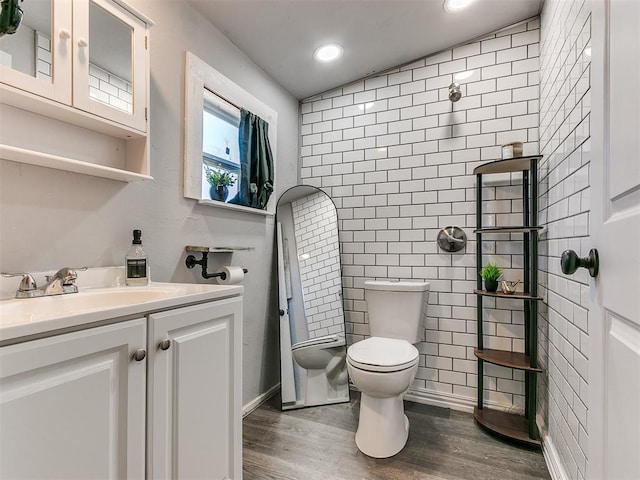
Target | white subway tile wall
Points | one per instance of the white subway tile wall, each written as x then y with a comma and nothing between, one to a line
104,87
316,231
565,107
397,158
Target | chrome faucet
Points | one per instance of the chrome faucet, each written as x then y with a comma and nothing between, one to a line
62,282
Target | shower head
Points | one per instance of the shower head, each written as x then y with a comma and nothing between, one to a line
454,92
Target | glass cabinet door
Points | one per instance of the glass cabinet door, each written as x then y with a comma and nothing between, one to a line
37,57
109,70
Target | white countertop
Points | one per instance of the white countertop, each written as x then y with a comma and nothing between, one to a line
99,303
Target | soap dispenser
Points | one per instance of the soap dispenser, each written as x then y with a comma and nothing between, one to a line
136,262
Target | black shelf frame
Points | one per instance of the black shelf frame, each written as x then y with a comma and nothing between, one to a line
529,230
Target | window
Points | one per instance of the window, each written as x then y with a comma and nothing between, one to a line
220,150
203,81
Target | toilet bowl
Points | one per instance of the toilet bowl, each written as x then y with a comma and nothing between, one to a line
382,369
383,366
323,359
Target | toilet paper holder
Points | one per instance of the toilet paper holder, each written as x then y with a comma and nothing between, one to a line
191,262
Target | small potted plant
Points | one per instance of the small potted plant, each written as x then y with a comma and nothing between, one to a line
220,181
490,273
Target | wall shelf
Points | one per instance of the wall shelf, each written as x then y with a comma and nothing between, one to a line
515,427
32,157
520,295
509,165
195,248
524,229
238,208
505,358
508,425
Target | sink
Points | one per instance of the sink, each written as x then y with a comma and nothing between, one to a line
88,300
112,297
24,317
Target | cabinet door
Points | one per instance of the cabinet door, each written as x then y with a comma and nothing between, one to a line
72,406
110,73
194,403
37,57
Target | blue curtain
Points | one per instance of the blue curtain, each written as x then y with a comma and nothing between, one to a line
256,162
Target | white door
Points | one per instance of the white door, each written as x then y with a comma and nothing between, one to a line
195,398
614,366
72,406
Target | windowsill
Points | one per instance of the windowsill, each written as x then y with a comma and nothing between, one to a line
237,208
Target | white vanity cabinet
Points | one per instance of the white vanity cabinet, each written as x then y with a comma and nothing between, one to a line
72,405
82,66
157,397
194,403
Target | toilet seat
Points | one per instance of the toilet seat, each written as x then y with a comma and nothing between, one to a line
334,340
377,354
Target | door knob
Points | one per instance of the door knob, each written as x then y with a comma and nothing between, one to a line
570,262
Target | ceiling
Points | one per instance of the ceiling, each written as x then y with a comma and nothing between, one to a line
281,35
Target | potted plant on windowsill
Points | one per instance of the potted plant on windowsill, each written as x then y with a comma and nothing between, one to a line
490,273
220,181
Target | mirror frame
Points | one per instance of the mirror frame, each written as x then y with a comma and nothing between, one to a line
286,355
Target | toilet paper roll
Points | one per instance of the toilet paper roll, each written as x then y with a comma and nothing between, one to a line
232,275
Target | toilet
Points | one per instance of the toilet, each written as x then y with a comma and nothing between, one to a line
383,366
323,358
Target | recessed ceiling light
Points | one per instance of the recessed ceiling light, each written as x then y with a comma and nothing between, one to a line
456,5
327,53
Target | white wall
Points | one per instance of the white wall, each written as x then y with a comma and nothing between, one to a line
50,218
565,108
397,158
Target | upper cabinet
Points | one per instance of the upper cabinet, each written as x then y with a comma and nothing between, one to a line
37,57
110,62
84,63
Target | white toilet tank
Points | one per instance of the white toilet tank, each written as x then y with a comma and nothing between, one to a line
396,309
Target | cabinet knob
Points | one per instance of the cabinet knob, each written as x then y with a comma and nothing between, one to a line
82,42
65,34
139,354
164,344
281,312
570,262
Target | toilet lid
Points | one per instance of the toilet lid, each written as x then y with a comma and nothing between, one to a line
334,340
377,354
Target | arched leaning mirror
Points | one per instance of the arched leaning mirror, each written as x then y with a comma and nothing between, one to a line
312,333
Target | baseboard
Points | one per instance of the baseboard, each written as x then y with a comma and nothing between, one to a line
259,400
445,400
453,401
551,455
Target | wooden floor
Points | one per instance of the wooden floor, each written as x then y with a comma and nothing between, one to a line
318,444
